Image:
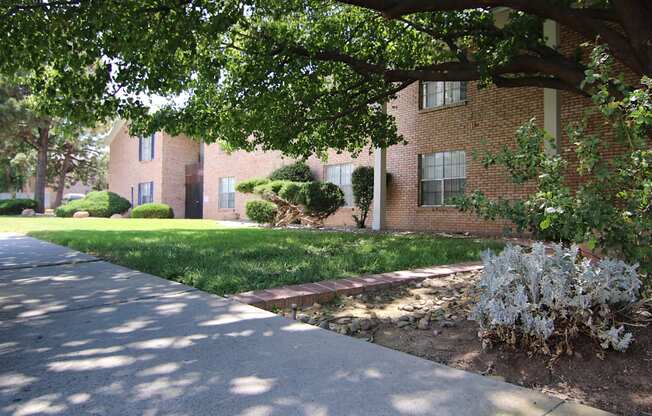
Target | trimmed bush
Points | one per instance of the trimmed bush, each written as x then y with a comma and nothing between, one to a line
321,199
543,303
97,203
292,192
152,210
270,187
296,172
262,212
309,202
247,187
16,206
362,181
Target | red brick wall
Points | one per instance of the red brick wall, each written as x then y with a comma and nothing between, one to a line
574,106
167,170
126,171
240,165
177,153
491,115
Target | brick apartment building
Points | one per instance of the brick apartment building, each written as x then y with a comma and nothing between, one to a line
442,122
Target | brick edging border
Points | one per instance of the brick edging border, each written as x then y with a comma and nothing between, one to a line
324,291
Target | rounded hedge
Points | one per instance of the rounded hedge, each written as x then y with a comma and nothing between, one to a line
152,210
97,203
321,199
296,172
16,206
262,212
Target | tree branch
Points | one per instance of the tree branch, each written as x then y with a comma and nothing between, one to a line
371,100
559,68
584,23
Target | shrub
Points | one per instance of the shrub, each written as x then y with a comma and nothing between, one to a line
296,172
247,187
293,201
97,203
262,212
16,206
292,192
544,302
362,181
152,211
270,187
321,199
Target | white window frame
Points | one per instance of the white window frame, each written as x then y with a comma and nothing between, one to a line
141,195
436,94
340,174
226,193
441,167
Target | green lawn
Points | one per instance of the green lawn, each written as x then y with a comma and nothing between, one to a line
225,260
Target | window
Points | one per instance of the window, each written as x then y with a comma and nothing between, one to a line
146,148
340,175
439,93
227,193
443,176
145,193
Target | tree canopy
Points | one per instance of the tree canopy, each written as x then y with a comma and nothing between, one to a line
300,76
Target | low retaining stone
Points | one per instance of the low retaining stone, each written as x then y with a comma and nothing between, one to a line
308,293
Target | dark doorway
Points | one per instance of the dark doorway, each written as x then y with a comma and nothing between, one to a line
194,191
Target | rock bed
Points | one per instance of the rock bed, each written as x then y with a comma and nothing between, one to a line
429,320
428,305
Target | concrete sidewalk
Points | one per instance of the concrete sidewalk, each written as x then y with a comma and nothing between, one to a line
96,338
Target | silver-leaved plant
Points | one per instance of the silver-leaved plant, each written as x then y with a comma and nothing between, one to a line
542,301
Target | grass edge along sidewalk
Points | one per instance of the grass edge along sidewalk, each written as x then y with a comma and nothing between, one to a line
226,260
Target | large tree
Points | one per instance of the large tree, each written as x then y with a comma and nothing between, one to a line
297,75
55,151
22,123
76,157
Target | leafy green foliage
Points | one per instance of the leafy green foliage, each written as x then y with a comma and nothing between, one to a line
247,186
270,188
16,206
293,192
152,210
297,76
322,199
97,203
362,180
262,212
612,207
296,172
16,164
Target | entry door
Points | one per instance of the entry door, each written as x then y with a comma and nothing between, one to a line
194,191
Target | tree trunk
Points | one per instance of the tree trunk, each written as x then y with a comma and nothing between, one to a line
61,182
8,180
41,168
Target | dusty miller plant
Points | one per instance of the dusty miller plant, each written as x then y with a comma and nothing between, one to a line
542,303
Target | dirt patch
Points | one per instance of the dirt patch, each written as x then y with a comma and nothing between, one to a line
429,320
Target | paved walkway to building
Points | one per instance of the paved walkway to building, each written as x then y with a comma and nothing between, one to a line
80,336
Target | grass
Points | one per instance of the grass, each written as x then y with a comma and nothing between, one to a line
224,260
